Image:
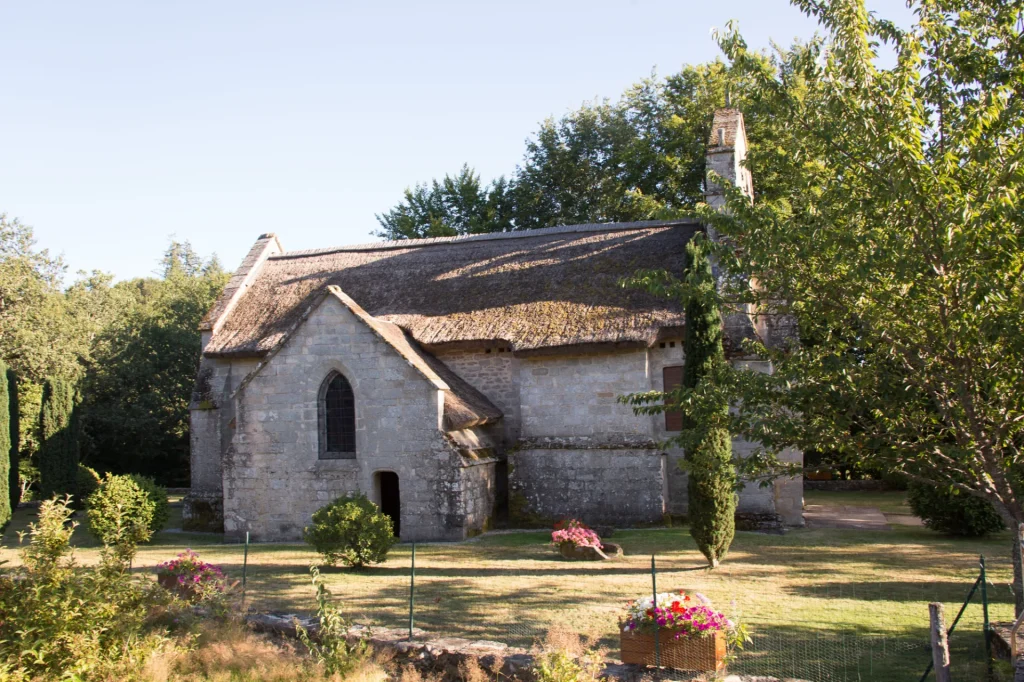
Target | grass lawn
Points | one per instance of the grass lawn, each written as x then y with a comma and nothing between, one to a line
886,501
820,603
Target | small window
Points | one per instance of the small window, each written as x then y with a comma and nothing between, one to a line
673,379
337,412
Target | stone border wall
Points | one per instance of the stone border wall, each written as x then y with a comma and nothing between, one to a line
445,657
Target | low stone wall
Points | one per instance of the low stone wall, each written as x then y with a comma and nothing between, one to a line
445,657
617,487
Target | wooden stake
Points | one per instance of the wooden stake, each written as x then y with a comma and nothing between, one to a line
940,645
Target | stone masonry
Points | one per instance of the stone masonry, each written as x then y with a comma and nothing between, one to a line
273,480
553,439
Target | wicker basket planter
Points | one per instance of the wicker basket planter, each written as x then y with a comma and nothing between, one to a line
170,583
701,654
573,553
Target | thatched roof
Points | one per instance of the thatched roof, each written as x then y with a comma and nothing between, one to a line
464,406
532,291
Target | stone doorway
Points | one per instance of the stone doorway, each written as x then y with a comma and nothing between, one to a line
390,498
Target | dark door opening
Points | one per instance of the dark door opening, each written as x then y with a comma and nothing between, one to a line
390,500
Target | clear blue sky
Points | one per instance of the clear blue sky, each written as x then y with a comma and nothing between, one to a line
122,124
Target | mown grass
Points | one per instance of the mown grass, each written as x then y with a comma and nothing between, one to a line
811,597
886,501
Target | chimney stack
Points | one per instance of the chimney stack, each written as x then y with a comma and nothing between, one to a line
727,150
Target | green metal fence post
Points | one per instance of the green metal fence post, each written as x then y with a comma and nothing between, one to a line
245,566
412,588
654,605
984,610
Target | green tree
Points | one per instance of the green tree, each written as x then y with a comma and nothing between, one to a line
641,156
894,242
139,381
5,449
14,406
712,476
455,205
58,453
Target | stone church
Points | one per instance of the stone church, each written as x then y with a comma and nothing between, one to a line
456,381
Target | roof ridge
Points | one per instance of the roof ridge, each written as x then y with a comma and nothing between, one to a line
486,236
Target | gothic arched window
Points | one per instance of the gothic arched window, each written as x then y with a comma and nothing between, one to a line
337,417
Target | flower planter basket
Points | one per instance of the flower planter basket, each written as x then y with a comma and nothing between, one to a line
170,583
570,551
704,653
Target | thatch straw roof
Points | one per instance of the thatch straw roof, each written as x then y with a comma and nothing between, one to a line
464,406
532,291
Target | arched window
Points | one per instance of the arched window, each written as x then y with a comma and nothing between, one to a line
337,416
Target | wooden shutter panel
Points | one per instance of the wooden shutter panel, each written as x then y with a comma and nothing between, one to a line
673,379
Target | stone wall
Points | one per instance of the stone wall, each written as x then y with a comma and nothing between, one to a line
597,485
577,395
495,373
273,479
479,498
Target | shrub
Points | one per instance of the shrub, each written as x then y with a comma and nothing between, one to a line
158,496
5,450
352,530
331,648
58,446
120,514
14,411
712,476
61,621
88,482
564,658
949,510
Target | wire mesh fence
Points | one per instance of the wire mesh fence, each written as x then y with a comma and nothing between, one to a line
800,626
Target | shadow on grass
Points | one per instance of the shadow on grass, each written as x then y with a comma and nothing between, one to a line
947,592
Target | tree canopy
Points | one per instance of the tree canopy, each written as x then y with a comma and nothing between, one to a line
636,158
893,239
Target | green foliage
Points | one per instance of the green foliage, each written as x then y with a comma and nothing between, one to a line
120,515
456,205
351,529
893,242
638,157
58,453
712,477
158,496
14,422
88,482
559,666
952,511
5,449
60,621
564,658
330,647
138,387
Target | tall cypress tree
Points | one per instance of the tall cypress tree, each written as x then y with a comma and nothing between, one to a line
5,449
15,422
712,476
58,451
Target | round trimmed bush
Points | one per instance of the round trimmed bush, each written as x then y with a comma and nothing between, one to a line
952,511
352,530
88,482
120,512
158,496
